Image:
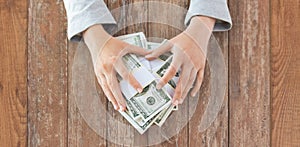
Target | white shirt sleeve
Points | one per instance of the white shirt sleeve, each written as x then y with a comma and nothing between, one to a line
82,14
217,9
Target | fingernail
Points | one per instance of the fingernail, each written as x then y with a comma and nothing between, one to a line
148,56
159,86
139,90
122,108
193,94
180,101
116,107
175,102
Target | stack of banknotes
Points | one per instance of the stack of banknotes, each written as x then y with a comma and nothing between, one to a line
151,106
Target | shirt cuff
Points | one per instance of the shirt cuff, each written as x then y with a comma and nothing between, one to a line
212,8
89,16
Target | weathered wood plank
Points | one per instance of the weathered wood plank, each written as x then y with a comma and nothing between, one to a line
13,73
217,133
47,74
167,26
137,12
113,131
249,73
80,134
285,34
124,15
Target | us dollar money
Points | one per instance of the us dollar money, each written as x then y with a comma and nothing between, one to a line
157,63
143,108
137,39
163,115
160,72
133,65
140,128
151,101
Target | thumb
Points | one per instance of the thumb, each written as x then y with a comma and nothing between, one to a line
160,50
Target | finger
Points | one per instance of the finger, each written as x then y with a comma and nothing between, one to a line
160,50
116,91
138,50
126,75
170,73
107,91
181,85
189,85
198,82
133,49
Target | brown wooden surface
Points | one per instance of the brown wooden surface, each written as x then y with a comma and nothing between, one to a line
285,75
262,107
13,73
249,74
134,14
156,33
79,133
217,133
47,74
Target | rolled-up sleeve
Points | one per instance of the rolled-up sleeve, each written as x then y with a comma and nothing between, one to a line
217,9
82,14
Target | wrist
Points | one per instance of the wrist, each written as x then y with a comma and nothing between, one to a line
95,37
208,21
199,30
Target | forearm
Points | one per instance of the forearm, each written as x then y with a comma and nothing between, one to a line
95,37
199,30
208,21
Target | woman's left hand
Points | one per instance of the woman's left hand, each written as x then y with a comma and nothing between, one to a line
189,55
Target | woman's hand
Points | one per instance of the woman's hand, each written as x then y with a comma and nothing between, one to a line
107,53
189,55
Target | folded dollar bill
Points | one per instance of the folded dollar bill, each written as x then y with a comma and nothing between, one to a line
151,106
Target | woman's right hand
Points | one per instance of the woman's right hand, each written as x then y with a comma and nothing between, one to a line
107,53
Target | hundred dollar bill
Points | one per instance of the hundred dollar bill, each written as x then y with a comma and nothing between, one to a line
140,128
163,115
152,45
132,111
170,87
142,108
137,39
155,64
134,114
151,101
132,63
140,73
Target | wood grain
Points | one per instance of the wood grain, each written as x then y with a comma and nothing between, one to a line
166,27
217,133
249,73
80,134
47,74
13,73
285,76
137,11
118,136
263,69
114,132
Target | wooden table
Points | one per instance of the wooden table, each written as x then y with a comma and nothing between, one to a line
262,103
